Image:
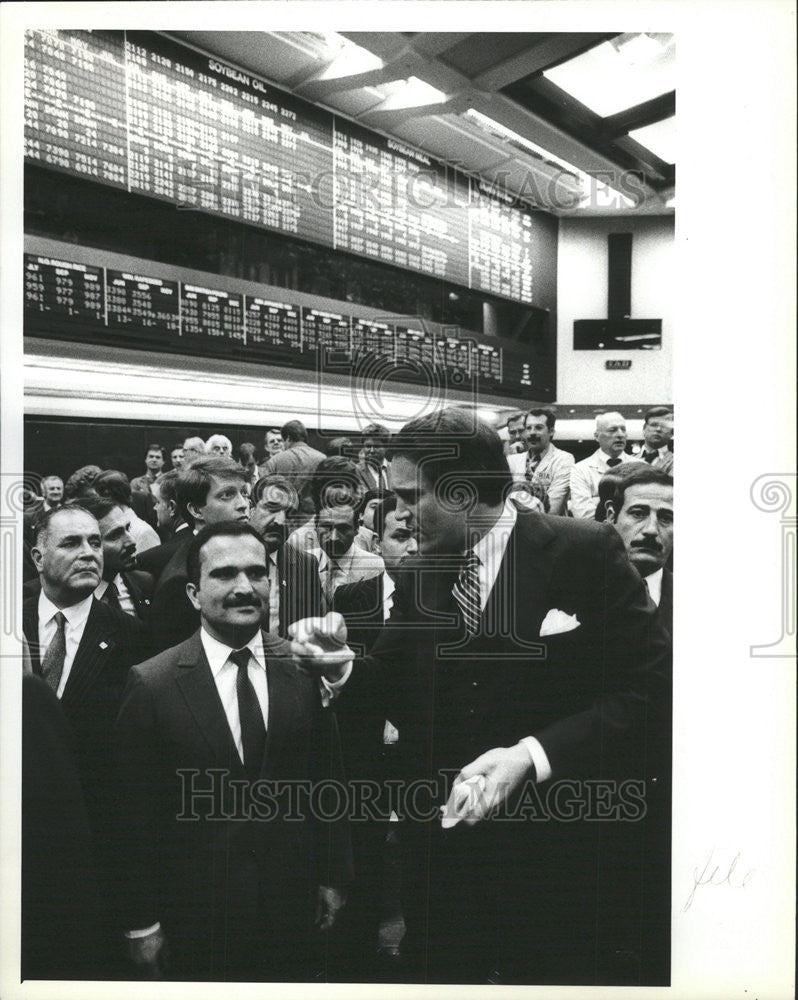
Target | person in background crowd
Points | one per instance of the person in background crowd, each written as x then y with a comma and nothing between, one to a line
341,560
83,649
455,681
115,485
246,459
81,481
52,492
52,496
585,475
641,508
193,448
366,537
219,444
297,462
210,490
515,434
543,465
171,526
294,587
228,895
340,446
375,440
272,442
657,437
154,463
176,457
338,478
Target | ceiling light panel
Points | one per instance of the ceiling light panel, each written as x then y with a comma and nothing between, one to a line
660,138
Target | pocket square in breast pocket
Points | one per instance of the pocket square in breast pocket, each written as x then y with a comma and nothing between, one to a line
557,621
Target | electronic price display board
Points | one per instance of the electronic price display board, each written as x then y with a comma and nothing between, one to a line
273,325
137,301
211,312
64,289
139,111
84,301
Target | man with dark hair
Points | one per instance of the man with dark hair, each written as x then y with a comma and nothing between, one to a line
366,538
154,463
657,437
140,506
641,508
376,439
272,442
171,526
521,650
210,490
542,465
80,481
177,457
335,481
294,588
297,462
232,889
83,649
341,561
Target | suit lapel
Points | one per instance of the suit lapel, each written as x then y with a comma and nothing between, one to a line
196,682
282,702
30,626
97,643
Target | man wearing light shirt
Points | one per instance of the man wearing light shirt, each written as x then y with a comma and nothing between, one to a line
542,464
585,475
223,886
521,650
83,650
341,561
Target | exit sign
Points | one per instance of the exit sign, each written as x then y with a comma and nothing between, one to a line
618,365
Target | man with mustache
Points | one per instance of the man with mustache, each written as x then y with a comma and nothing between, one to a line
642,512
224,886
83,650
542,464
294,588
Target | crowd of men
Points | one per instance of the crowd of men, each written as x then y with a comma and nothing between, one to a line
462,639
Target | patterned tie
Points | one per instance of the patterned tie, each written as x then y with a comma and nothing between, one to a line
53,662
650,456
253,730
532,464
612,462
466,593
333,571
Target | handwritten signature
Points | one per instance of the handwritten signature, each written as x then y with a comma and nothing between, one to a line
716,877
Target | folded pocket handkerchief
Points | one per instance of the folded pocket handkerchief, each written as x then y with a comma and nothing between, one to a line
557,621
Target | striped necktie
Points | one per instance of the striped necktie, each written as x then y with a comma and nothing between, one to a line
466,593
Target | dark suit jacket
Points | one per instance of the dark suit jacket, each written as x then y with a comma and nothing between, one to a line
666,601
155,559
139,584
361,605
222,888
597,698
300,589
172,616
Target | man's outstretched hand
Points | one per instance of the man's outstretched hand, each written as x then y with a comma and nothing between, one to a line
486,783
319,645
329,904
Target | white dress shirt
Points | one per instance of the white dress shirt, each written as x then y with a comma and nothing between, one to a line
125,600
274,595
585,477
388,587
76,618
225,673
654,584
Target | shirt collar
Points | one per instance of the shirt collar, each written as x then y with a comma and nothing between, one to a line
490,548
219,652
388,586
75,616
342,562
654,584
546,451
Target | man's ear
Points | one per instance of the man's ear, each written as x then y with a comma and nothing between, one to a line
37,557
609,509
191,590
194,510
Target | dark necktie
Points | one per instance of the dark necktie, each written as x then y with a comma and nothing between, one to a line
111,596
650,456
612,462
532,464
466,593
53,662
253,730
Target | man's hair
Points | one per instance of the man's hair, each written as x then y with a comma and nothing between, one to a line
177,447
193,444
271,430
656,411
615,482
228,529
98,506
218,437
294,430
167,485
278,482
156,447
606,413
47,479
339,446
41,526
543,411
376,431
115,485
385,507
335,482
246,453
518,415
80,481
194,482
478,466
378,493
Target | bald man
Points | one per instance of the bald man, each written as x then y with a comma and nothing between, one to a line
610,433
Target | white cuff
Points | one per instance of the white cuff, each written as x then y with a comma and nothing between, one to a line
539,758
143,933
330,689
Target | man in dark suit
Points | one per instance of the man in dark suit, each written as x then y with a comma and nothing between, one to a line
523,653
229,879
171,527
209,490
294,586
83,650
